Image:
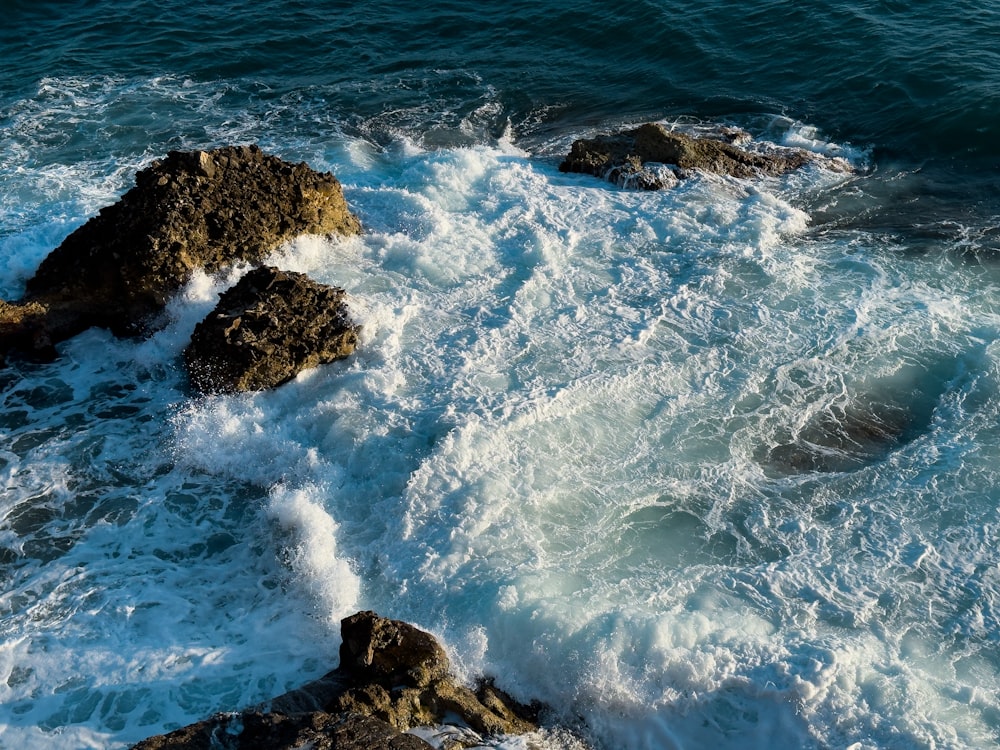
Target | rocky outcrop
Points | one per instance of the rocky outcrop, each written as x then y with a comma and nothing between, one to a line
265,330
392,677
26,328
401,676
652,157
192,210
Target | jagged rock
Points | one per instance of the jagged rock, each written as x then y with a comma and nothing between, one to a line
192,210
652,157
265,330
402,677
392,677
486,710
375,649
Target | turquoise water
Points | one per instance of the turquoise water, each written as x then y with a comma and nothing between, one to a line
715,466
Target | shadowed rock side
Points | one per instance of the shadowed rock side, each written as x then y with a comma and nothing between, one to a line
192,210
652,157
24,327
392,677
265,330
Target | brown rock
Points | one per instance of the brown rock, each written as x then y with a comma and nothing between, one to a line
393,677
652,157
404,680
253,730
376,649
24,326
265,330
192,210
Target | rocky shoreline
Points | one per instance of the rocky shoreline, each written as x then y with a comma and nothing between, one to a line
208,210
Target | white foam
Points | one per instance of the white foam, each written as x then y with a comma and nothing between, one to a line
809,137
312,554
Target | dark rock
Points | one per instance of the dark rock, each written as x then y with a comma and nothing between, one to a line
375,649
24,326
401,676
192,210
488,710
253,730
866,425
652,157
392,677
266,329
845,438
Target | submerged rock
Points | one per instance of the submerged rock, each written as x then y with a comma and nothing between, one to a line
192,210
865,427
265,330
846,438
392,677
652,157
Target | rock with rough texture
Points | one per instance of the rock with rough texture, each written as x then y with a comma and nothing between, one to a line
652,157
253,730
400,675
192,210
391,652
266,329
393,677
487,710
25,327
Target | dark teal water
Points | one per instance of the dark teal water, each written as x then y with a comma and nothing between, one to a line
917,80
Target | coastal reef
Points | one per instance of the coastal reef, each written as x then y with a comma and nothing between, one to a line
392,678
651,157
192,210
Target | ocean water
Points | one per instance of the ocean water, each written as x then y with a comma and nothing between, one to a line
717,466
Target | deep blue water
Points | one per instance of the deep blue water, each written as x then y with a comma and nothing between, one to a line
915,80
593,439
